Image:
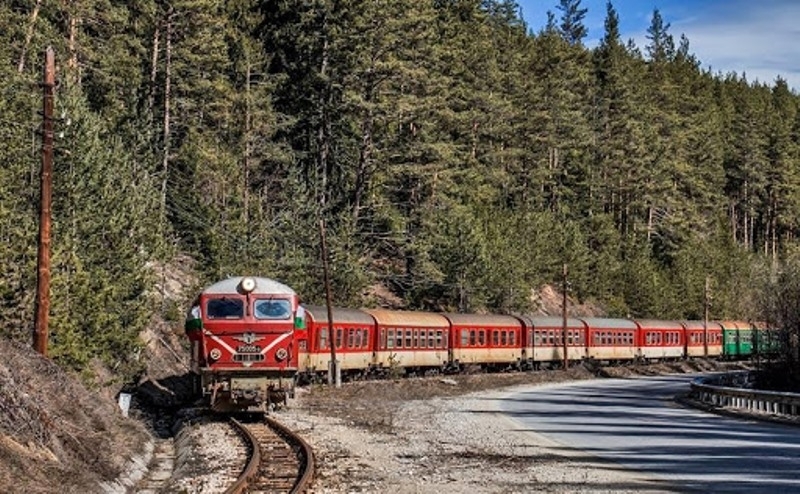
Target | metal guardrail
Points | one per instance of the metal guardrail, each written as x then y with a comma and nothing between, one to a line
732,392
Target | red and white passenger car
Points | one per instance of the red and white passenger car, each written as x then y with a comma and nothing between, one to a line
354,340
610,340
544,340
413,342
660,340
485,340
703,339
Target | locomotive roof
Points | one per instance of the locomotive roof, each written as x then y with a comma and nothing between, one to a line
552,322
699,325
408,319
484,319
657,324
603,323
264,286
320,314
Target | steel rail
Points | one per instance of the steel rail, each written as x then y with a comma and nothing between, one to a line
251,470
307,455
250,473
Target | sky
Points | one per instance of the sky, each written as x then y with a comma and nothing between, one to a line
760,39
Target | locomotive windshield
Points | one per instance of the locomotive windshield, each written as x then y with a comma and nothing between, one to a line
273,309
225,308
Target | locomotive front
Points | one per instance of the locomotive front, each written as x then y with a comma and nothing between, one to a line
242,342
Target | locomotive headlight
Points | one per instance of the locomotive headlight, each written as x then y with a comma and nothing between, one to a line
247,285
215,354
281,354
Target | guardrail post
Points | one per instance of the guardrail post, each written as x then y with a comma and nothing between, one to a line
719,391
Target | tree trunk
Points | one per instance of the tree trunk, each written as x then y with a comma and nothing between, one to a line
28,36
746,219
323,132
248,120
153,71
365,153
166,130
72,61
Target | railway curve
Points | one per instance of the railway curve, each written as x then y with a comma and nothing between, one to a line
280,462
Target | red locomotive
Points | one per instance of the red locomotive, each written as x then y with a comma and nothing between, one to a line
251,341
242,342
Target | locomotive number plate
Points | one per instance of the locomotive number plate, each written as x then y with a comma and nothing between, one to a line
248,349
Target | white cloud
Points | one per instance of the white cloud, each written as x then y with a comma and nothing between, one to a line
759,39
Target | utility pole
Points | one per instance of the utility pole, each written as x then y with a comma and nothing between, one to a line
706,304
564,289
46,194
334,375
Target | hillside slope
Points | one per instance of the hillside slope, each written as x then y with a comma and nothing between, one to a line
55,434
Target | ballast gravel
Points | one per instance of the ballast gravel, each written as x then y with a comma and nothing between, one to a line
210,455
457,445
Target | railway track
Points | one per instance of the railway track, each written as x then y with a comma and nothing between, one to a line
280,460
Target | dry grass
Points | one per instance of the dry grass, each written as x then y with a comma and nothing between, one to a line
55,435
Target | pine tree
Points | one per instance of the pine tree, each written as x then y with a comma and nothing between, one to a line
105,238
561,119
745,156
619,123
783,177
661,46
571,27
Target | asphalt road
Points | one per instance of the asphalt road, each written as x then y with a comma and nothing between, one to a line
636,423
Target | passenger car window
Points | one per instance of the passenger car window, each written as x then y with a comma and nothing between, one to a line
323,339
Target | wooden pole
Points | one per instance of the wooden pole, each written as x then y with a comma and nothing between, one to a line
334,377
564,318
706,298
43,281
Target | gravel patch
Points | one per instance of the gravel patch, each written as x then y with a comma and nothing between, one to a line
459,445
209,457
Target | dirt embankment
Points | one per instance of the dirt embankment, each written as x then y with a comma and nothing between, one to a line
55,434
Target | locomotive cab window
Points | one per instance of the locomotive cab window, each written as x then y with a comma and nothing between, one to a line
272,309
225,308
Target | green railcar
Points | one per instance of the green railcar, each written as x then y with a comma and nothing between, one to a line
766,340
737,339
745,340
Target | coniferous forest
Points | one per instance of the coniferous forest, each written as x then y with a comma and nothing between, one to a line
457,159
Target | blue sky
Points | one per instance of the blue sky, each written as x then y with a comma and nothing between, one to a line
760,39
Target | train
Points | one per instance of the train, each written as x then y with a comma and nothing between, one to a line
252,341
